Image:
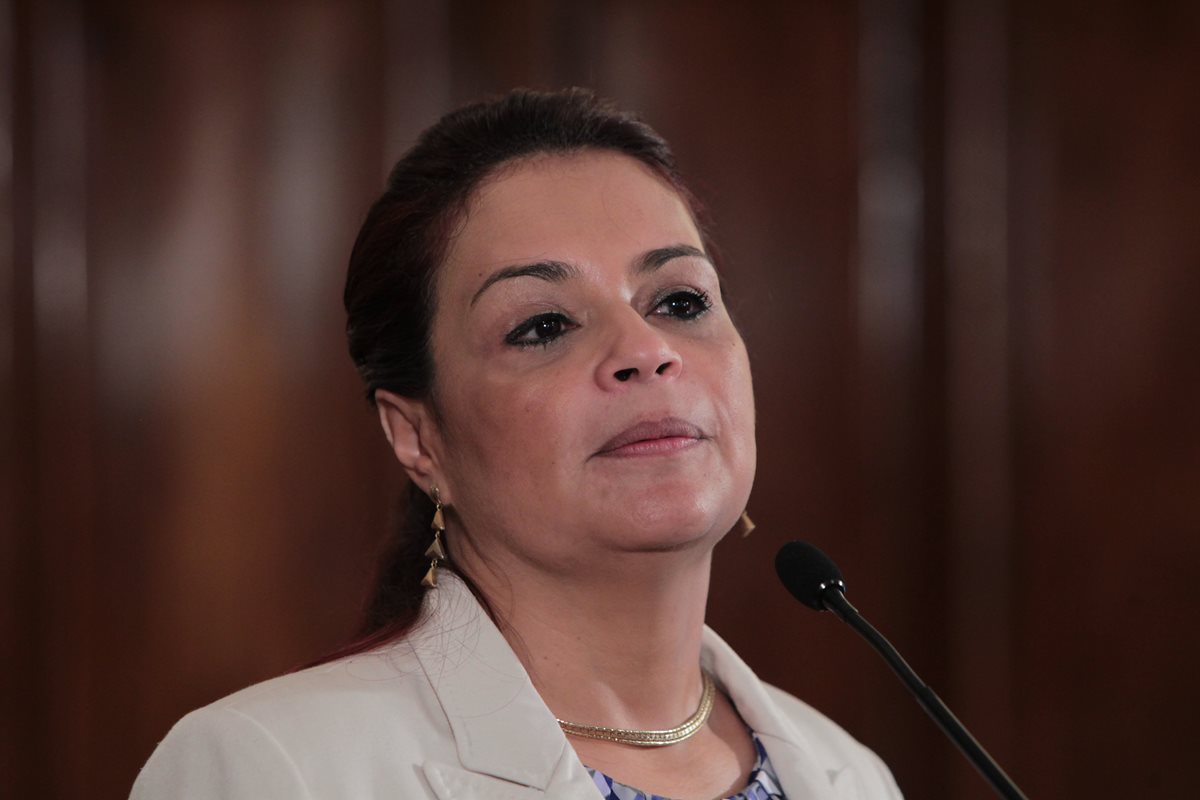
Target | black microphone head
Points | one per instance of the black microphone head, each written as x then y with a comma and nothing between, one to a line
807,573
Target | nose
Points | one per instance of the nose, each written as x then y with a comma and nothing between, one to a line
638,352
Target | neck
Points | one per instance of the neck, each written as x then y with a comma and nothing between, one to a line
620,650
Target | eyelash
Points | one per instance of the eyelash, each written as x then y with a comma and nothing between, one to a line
516,337
696,296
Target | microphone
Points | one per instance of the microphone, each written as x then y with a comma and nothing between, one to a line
814,580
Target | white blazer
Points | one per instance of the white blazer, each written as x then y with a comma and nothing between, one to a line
449,712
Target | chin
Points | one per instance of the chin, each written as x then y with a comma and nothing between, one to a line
670,521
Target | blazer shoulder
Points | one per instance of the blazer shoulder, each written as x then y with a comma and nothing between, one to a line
219,752
358,678
291,736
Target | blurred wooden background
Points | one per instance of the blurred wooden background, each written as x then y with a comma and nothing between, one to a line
964,242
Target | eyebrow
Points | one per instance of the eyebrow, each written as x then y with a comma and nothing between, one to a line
659,256
558,271
552,271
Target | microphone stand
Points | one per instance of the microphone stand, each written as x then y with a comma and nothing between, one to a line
833,600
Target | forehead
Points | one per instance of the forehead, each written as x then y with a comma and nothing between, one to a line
592,209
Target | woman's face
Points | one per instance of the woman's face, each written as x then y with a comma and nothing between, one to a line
593,394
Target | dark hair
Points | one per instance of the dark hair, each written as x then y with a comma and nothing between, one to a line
389,295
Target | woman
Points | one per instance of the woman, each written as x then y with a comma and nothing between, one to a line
537,314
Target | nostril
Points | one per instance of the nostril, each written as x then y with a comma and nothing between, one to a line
625,374
663,367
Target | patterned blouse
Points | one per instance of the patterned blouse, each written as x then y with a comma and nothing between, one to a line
764,784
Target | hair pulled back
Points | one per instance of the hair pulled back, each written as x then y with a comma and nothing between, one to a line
389,295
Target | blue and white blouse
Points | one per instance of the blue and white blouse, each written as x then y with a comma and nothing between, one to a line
763,785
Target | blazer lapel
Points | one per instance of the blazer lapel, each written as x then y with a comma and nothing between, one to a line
787,747
508,742
569,781
455,783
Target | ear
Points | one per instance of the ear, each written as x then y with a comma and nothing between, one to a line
413,435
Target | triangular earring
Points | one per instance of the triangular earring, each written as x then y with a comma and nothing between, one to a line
435,550
436,553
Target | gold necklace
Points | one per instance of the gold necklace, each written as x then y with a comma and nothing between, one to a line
650,738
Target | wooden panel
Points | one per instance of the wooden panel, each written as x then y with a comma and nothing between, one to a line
978,416
210,483
52,486
900,433
1106,256
18,558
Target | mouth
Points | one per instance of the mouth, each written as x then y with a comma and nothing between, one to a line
653,438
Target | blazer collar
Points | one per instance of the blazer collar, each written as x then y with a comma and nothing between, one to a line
508,741
501,726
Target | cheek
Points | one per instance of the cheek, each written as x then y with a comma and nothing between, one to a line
737,388
743,385
510,430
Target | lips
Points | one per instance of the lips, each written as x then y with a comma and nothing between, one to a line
652,436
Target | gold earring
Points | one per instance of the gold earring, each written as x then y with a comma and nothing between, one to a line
435,552
747,524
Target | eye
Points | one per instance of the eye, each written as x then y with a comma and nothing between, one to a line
685,304
539,330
